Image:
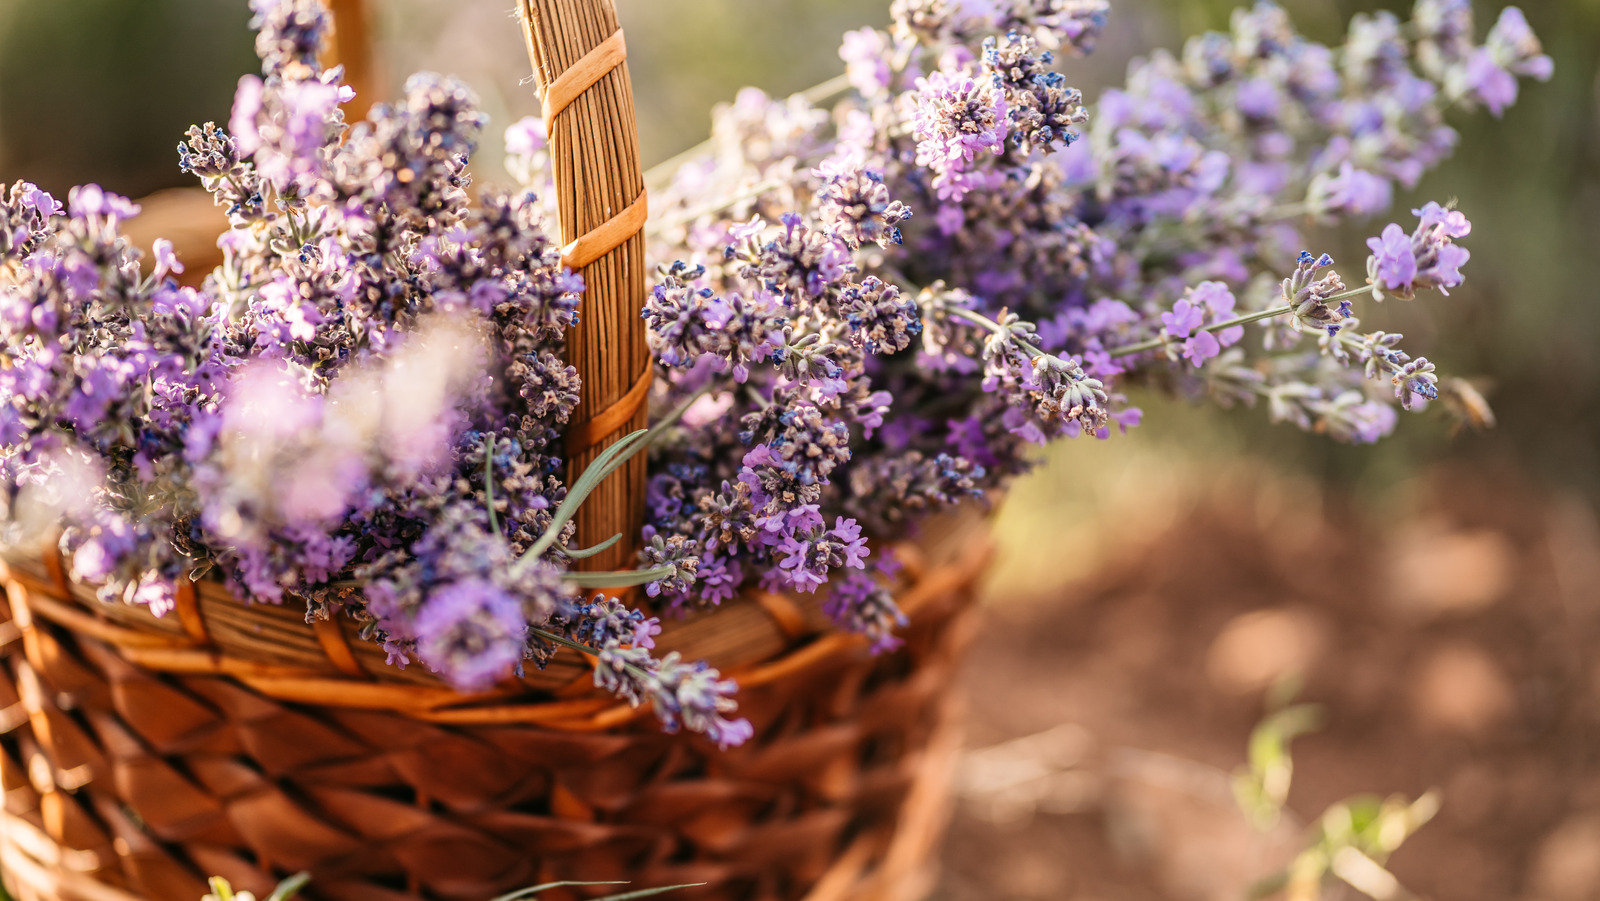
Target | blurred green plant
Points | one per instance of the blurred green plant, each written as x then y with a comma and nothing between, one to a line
1351,842
625,896
1262,786
289,888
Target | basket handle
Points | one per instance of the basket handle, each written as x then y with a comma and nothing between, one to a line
579,59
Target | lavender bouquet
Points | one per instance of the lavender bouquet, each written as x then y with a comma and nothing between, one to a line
865,313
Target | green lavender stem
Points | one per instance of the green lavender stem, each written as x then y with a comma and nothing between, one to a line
979,319
1154,343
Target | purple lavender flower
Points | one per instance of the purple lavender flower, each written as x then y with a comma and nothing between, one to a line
25,219
1512,49
1184,318
1308,294
1352,418
1444,34
680,555
526,137
857,603
1428,258
867,55
471,633
806,556
166,260
880,318
957,119
1394,264
1489,84
1516,48
802,265
691,696
822,385
289,34
285,128
91,202
687,324
1352,192
1078,23
527,158
854,206
1200,348
1415,378
720,578
1041,109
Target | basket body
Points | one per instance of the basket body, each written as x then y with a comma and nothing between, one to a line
127,780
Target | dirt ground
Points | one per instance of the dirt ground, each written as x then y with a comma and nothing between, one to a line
1451,647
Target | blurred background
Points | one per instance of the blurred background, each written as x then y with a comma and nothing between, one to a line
1438,595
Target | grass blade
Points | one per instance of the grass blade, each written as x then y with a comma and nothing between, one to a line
647,892
535,889
617,578
591,551
290,887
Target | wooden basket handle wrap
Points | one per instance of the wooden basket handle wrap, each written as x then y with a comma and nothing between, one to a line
579,60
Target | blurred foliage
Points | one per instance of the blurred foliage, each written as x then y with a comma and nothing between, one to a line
285,890
291,887
1351,842
1261,787
101,89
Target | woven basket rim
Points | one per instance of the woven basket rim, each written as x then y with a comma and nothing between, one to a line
756,638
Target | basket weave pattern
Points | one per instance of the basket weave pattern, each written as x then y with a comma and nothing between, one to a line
123,781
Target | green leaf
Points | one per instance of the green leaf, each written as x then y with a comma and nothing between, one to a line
604,465
647,892
617,578
591,551
535,889
488,484
626,896
290,887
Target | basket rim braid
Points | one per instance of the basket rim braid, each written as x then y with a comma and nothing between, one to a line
279,651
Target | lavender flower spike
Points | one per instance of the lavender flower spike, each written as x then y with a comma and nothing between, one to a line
957,119
1428,258
684,695
1308,295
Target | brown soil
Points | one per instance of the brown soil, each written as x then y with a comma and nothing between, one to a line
1451,648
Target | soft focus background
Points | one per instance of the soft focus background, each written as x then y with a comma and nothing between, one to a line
1439,595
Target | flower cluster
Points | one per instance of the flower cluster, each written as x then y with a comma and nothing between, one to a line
361,407
1042,253
863,314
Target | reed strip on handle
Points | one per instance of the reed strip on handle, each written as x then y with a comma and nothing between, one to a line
584,434
569,85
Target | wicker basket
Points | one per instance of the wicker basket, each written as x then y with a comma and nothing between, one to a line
140,754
